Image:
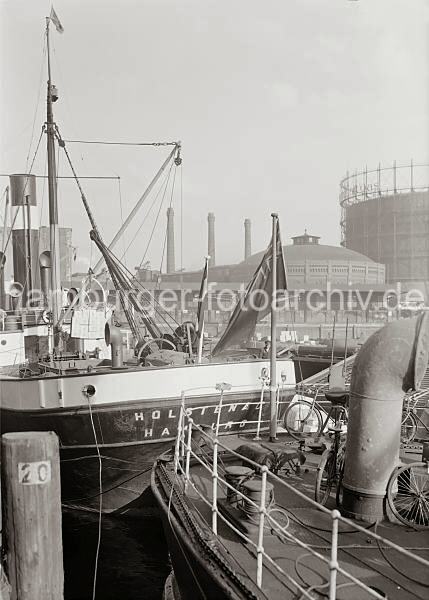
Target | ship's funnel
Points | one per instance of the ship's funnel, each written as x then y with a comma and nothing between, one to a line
25,239
211,245
23,190
391,362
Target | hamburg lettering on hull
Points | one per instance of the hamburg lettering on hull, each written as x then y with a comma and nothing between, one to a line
161,423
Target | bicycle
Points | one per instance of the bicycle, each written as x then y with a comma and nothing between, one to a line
303,418
408,494
331,465
411,420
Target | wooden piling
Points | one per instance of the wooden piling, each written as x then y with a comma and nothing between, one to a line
31,499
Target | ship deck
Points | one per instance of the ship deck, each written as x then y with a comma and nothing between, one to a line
385,570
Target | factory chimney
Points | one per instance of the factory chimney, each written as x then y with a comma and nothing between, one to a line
211,246
171,261
247,238
25,239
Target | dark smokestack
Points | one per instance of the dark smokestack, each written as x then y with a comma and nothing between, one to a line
211,246
247,238
25,239
171,261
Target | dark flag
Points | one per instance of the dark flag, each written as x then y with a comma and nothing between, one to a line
202,300
55,20
257,299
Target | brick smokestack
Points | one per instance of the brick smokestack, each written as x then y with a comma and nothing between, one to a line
211,246
247,238
171,261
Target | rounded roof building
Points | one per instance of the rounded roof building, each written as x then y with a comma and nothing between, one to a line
312,250
309,265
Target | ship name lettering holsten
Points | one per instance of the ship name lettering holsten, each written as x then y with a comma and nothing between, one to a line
154,416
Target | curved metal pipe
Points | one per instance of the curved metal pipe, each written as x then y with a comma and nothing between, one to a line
45,265
113,337
391,362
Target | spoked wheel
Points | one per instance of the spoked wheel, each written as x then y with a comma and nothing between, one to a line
408,427
326,476
302,420
408,494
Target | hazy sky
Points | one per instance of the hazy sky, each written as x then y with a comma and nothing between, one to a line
273,101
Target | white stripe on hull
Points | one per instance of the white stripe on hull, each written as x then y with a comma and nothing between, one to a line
143,385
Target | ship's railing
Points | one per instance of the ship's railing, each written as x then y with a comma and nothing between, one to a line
221,408
209,460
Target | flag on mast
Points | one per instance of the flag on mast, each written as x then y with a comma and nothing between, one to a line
55,20
202,299
256,303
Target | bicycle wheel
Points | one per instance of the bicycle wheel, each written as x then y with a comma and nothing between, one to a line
408,494
302,419
408,427
326,476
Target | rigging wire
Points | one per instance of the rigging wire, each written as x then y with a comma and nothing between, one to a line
100,500
181,219
112,257
3,221
17,208
131,279
157,216
166,230
63,86
71,176
44,49
124,255
84,200
108,143
166,175
43,194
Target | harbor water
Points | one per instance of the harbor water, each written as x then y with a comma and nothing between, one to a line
133,557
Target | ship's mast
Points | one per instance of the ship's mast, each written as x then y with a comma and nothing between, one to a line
273,355
55,296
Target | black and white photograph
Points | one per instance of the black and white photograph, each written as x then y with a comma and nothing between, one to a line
214,299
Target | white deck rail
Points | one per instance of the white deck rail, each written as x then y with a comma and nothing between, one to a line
208,459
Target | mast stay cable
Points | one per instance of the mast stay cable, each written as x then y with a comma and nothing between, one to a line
147,213
17,208
165,236
122,278
107,143
157,217
44,50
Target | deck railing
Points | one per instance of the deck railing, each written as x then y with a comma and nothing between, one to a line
209,460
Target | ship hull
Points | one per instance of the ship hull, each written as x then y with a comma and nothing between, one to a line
121,438
198,571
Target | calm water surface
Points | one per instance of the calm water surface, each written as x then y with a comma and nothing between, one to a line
133,561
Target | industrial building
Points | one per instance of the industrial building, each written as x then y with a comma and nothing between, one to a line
333,280
385,215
